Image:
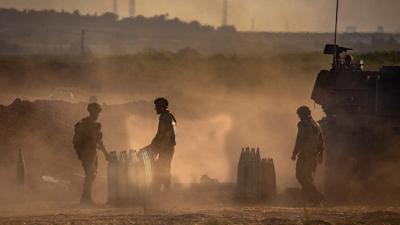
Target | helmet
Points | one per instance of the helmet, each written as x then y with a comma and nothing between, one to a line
94,108
161,102
93,99
304,111
348,59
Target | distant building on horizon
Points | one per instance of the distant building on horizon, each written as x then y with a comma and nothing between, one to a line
287,26
115,7
380,29
225,13
351,29
132,8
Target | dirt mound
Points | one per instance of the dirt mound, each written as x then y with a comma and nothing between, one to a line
43,130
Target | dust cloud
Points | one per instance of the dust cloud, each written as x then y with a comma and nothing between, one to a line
224,106
222,103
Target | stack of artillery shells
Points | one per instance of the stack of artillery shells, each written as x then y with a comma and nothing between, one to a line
256,180
130,177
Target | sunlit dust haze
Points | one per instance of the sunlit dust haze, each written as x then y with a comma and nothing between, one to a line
228,90
268,15
202,146
221,104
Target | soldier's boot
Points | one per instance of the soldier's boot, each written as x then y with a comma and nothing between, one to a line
318,198
167,182
165,176
86,198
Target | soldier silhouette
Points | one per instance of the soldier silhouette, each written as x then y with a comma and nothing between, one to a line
163,144
87,140
308,151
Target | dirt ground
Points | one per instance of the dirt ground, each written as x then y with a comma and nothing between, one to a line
73,214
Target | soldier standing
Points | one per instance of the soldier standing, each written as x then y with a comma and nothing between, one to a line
163,144
87,140
308,151
349,63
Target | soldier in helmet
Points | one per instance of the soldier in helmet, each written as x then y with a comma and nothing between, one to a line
163,144
349,63
308,151
87,140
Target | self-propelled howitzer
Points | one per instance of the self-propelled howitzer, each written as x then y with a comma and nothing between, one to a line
361,128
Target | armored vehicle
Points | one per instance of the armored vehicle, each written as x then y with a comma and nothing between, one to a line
361,128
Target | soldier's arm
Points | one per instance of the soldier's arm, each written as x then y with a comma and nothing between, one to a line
156,142
321,147
104,150
163,124
299,139
321,144
100,144
77,139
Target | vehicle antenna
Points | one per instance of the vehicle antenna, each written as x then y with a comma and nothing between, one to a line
336,25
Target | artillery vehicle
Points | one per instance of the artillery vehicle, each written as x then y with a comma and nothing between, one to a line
361,127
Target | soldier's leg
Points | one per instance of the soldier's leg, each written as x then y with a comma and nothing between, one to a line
164,160
313,195
317,197
168,162
305,177
156,173
301,172
90,168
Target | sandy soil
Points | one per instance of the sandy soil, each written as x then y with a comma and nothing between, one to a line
211,215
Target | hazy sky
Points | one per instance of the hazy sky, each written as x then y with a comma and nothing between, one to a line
269,15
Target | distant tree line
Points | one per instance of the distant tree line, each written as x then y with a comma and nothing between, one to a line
161,23
51,32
